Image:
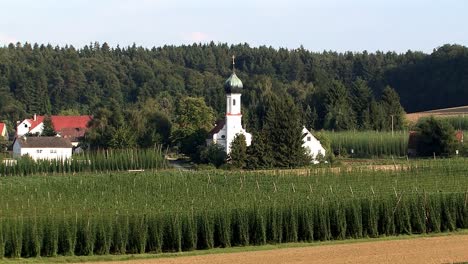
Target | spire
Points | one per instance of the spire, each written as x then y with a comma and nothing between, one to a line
233,64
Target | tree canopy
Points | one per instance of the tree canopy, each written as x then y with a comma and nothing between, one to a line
138,87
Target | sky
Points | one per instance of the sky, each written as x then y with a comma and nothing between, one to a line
317,25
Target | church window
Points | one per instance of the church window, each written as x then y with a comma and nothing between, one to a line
223,136
233,101
309,138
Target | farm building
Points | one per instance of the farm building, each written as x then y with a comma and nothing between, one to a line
70,127
312,145
42,148
3,131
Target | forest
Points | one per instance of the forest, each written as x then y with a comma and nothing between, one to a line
159,95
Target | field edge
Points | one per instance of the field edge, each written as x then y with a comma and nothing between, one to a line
105,258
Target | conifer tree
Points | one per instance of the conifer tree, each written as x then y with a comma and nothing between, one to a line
238,152
48,130
283,130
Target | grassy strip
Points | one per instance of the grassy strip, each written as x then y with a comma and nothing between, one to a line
104,258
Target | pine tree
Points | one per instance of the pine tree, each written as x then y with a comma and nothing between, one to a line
238,152
283,132
259,154
392,107
48,130
340,115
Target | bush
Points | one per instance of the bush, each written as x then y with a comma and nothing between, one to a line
436,137
213,154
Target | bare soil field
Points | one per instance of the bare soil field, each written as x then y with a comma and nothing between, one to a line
454,111
443,249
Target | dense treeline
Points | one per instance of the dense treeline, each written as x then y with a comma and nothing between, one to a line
135,92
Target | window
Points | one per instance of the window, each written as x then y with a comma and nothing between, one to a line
53,151
223,136
233,101
26,125
309,138
39,151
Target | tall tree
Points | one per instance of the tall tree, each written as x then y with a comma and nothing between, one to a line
238,154
340,115
48,129
392,109
284,133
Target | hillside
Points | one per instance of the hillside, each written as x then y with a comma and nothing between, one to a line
445,112
324,85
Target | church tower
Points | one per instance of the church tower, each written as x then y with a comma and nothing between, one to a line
226,130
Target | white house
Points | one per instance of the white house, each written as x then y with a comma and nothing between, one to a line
71,127
226,130
42,148
312,145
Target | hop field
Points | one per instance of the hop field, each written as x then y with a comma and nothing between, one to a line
365,144
167,211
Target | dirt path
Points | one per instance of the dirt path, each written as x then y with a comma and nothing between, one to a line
445,249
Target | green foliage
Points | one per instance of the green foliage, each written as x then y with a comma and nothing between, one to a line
94,161
330,89
213,154
340,115
283,134
436,137
193,121
171,211
366,144
392,108
48,130
238,154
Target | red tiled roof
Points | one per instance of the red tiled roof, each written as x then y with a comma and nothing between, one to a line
65,122
2,127
71,127
35,123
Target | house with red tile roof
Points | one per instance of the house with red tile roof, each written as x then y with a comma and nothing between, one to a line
72,128
3,131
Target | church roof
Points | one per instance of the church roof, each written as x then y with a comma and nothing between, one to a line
219,125
233,84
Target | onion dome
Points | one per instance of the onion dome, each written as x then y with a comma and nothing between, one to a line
233,84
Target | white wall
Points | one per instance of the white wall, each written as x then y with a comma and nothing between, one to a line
311,144
233,104
23,128
42,153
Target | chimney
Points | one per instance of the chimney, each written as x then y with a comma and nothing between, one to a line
35,117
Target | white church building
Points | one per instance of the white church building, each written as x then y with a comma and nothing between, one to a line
227,129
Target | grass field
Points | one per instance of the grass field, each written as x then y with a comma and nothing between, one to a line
167,211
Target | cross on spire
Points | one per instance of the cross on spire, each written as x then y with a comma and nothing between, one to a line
233,63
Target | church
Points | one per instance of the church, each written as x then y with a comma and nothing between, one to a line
226,130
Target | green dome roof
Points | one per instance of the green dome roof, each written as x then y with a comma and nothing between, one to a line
233,84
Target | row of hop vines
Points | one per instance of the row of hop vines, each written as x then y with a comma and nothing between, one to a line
331,219
101,160
369,143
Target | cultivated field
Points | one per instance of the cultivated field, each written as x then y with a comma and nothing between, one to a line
446,112
170,211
